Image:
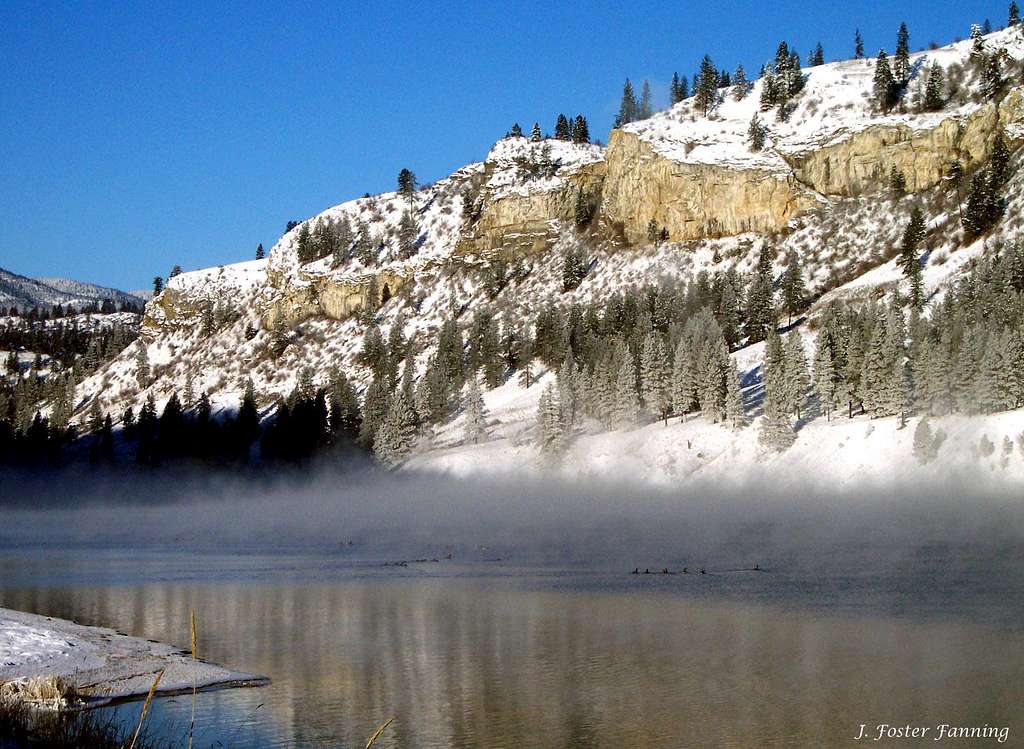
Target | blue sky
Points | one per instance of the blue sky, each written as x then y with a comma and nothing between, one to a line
136,136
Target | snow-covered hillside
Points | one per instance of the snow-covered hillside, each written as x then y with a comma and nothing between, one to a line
454,248
25,293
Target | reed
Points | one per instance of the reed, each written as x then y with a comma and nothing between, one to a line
145,707
379,731
192,721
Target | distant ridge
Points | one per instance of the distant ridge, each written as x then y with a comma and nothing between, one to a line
26,293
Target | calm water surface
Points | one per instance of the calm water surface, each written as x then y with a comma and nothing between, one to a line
489,654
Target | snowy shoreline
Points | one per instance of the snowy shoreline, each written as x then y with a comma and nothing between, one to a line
100,664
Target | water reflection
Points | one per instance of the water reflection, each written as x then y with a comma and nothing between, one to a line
467,662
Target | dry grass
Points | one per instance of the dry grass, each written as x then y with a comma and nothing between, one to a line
50,692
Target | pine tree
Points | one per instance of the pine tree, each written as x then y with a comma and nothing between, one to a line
550,434
825,375
757,133
897,181
740,84
908,259
535,135
644,109
933,98
818,58
574,267
562,128
142,373
1014,14
394,440
627,409
760,317
580,130
406,183
516,131
628,108
158,285
858,45
376,402
793,290
978,42
798,378
884,86
259,251
654,377
706,93
675,91
734,412
776,432
999,161
408,232
901,60
476,414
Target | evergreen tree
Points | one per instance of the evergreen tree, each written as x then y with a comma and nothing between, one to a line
158,285
628,108
884,86
825,375
1014,14
757,133
793,289
908,258
259,251
897,181
574,267
516,131
142,373
999,161
858,45
818,57
769,88
654,377
901,60
644,109
740,84
706,91
798,378
535,136
933,98
562,128
550,433
675,92
394,440
475,429
408,231
760,317
406,183
734,412
776,432
376,405
627,408
580,130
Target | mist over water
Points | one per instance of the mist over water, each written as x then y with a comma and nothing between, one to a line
785,524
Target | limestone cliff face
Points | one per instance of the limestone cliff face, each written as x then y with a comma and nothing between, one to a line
861,162
319,295
692,201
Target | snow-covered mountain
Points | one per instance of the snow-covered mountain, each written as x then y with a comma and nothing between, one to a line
26,293
670,197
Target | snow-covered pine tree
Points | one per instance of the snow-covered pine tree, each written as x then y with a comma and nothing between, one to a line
644,109
684,378
476,414
654,377
259,251
535,136
798,378
901,59
776,432
394,440
977,42
757,133
376,402
884,86
714,370
526,362
793,290
934,100
550,434
740,84
568,396
627,406
760,303
734,412
908,259
825,382
769,88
